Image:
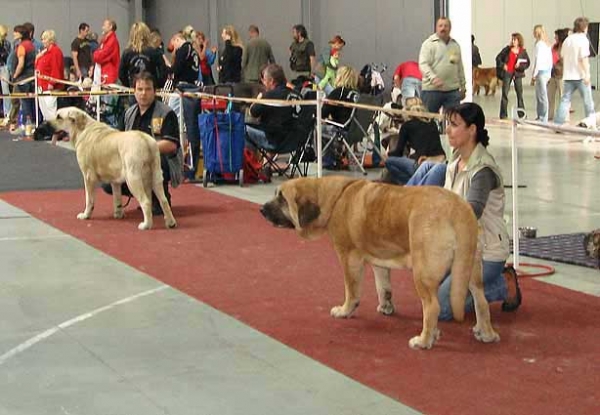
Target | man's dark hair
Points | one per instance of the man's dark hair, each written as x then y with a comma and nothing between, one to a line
30,28
276,73
23,31
253,28
83,26
302,30
143,76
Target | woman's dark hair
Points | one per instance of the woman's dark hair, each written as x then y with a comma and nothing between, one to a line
302,30
472,114
561,34
519,38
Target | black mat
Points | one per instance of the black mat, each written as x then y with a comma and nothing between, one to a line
567,248
36,165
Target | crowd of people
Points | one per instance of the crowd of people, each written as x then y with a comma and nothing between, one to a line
433,83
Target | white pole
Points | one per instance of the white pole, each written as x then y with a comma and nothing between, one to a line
35,99
320,96
515,184
460,14
98,97
181,135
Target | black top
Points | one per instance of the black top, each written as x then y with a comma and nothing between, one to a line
335,112
421,136
143,122
186,66
275,121
230,61
502,59
150,60
84,52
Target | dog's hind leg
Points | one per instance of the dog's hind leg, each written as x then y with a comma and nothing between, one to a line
427,288
353,275
143,196
384,290
159,191
118,212
483,330
90,185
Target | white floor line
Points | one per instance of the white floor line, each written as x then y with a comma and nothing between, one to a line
33,238
42,336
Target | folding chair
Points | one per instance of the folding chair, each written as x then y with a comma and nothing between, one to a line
340,134
297,144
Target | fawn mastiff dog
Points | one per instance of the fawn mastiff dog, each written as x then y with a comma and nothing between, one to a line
107,155
428,229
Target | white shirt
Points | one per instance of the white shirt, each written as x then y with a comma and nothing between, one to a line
575,48
542,57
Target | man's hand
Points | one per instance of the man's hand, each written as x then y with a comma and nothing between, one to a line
438,82
259,96
532,82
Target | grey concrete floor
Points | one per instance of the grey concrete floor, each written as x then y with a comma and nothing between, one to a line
83,333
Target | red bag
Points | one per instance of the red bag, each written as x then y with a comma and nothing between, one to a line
253,172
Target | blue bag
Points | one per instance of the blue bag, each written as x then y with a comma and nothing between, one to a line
223,141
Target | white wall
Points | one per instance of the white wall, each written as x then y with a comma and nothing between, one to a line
494,21
64,16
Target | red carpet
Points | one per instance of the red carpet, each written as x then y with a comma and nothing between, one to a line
226,255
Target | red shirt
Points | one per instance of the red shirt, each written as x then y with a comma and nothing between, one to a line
51,64
408,69
108,56
512,60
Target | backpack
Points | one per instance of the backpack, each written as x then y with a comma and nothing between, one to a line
252,166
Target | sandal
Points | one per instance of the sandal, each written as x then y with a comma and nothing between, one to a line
514,298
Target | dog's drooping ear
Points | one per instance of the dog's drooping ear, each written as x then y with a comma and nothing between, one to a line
307,212
78,119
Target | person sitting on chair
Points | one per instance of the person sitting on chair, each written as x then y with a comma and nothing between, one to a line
158,120
275,122
346,89
422,136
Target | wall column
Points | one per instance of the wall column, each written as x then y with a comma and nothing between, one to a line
459,12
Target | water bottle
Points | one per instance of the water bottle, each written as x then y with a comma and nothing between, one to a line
28,127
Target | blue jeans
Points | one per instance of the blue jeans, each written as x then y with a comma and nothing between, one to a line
27,104
411,87
257,137
434,100
429,174
541,95
565,100
494,288
401,169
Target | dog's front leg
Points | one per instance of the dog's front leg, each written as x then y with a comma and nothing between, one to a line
90,184
118,212
353,275
384,290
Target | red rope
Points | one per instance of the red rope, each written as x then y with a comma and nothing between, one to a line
548,270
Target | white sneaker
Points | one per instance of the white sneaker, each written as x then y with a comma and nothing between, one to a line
18,131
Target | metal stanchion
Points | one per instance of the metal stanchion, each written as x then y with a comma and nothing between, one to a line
36,99
320,96
515,185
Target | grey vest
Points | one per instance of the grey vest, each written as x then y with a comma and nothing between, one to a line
176,160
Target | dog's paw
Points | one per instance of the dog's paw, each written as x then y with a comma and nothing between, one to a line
171,225
490,337
386,309
144,226
419,342
83,216
341,312
119,214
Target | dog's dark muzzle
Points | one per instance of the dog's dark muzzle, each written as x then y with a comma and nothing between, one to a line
273,214
44,132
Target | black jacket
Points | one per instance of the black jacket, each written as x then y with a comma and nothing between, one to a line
421,136
230,61
275,121
502,59
150,60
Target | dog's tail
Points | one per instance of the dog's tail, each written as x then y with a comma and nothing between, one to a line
464,264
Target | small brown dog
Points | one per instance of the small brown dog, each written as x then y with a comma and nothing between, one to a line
485,77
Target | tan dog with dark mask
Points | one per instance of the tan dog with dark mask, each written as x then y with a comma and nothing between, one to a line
428,229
